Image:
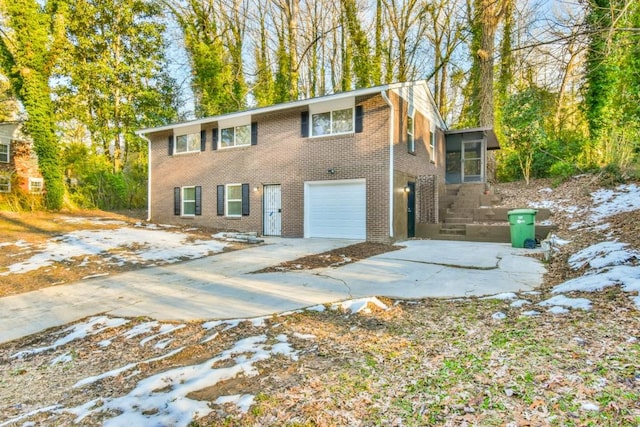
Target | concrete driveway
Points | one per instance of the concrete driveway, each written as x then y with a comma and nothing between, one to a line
221,286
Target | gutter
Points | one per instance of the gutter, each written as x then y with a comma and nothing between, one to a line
143,136
391,131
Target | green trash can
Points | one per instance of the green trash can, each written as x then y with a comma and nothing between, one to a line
522,224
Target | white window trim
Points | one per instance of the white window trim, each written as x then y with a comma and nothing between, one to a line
353,122
183,200
33,181
227,200
235,141
8,145
8,179
175,143
412,147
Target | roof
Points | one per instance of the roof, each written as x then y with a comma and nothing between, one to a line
283,106
487,132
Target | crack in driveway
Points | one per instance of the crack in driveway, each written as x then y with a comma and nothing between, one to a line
441,264
346,285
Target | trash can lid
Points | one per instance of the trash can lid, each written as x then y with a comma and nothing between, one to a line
522,212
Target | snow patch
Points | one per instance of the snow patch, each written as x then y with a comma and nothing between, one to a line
161,399
558,310
519,303
588,406
498,316
603,254
93,326
359,305
561,300
531,313
151,246
502,296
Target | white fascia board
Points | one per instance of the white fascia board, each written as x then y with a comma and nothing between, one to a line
264,110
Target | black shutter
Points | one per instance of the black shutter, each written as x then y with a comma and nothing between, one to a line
359,117
304,124
214,141
198,210
203,140
254,133
220,200
171,145
176,201
245,199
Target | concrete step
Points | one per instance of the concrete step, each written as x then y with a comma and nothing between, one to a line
459,206
460,212
453,229
458,220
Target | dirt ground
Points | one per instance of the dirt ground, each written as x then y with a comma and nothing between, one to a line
36,229
420,362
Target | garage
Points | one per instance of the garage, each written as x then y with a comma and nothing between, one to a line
335,209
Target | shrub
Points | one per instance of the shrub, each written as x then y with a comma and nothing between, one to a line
561,171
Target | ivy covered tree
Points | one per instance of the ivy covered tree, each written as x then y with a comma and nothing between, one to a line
113,77
31,38
612,92
362,61
215,77
8,102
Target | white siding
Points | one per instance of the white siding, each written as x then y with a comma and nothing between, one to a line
418,96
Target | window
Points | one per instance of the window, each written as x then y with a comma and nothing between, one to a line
36,185
234,200
5,183
332,122
4,152
188,201
187,143
432,144
238,136
411,142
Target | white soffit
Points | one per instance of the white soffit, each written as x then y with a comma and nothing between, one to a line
336,104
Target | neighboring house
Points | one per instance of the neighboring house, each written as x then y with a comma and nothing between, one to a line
367,164
18,162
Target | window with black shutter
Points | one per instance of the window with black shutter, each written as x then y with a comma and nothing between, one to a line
176,201
254,133
171,145
198,207
304,124
203,140
359,118
245,199
214,139
220,197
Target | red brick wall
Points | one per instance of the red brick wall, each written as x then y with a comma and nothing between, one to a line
22,163
282,157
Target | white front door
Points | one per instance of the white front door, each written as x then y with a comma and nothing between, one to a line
335,209
272,210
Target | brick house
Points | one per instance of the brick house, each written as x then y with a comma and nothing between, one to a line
366,164
18,162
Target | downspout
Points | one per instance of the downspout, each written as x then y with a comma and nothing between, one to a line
148,175
391,131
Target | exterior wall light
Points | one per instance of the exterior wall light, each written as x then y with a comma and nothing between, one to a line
331,171
407,189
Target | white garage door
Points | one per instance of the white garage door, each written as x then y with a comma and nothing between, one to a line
335,209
